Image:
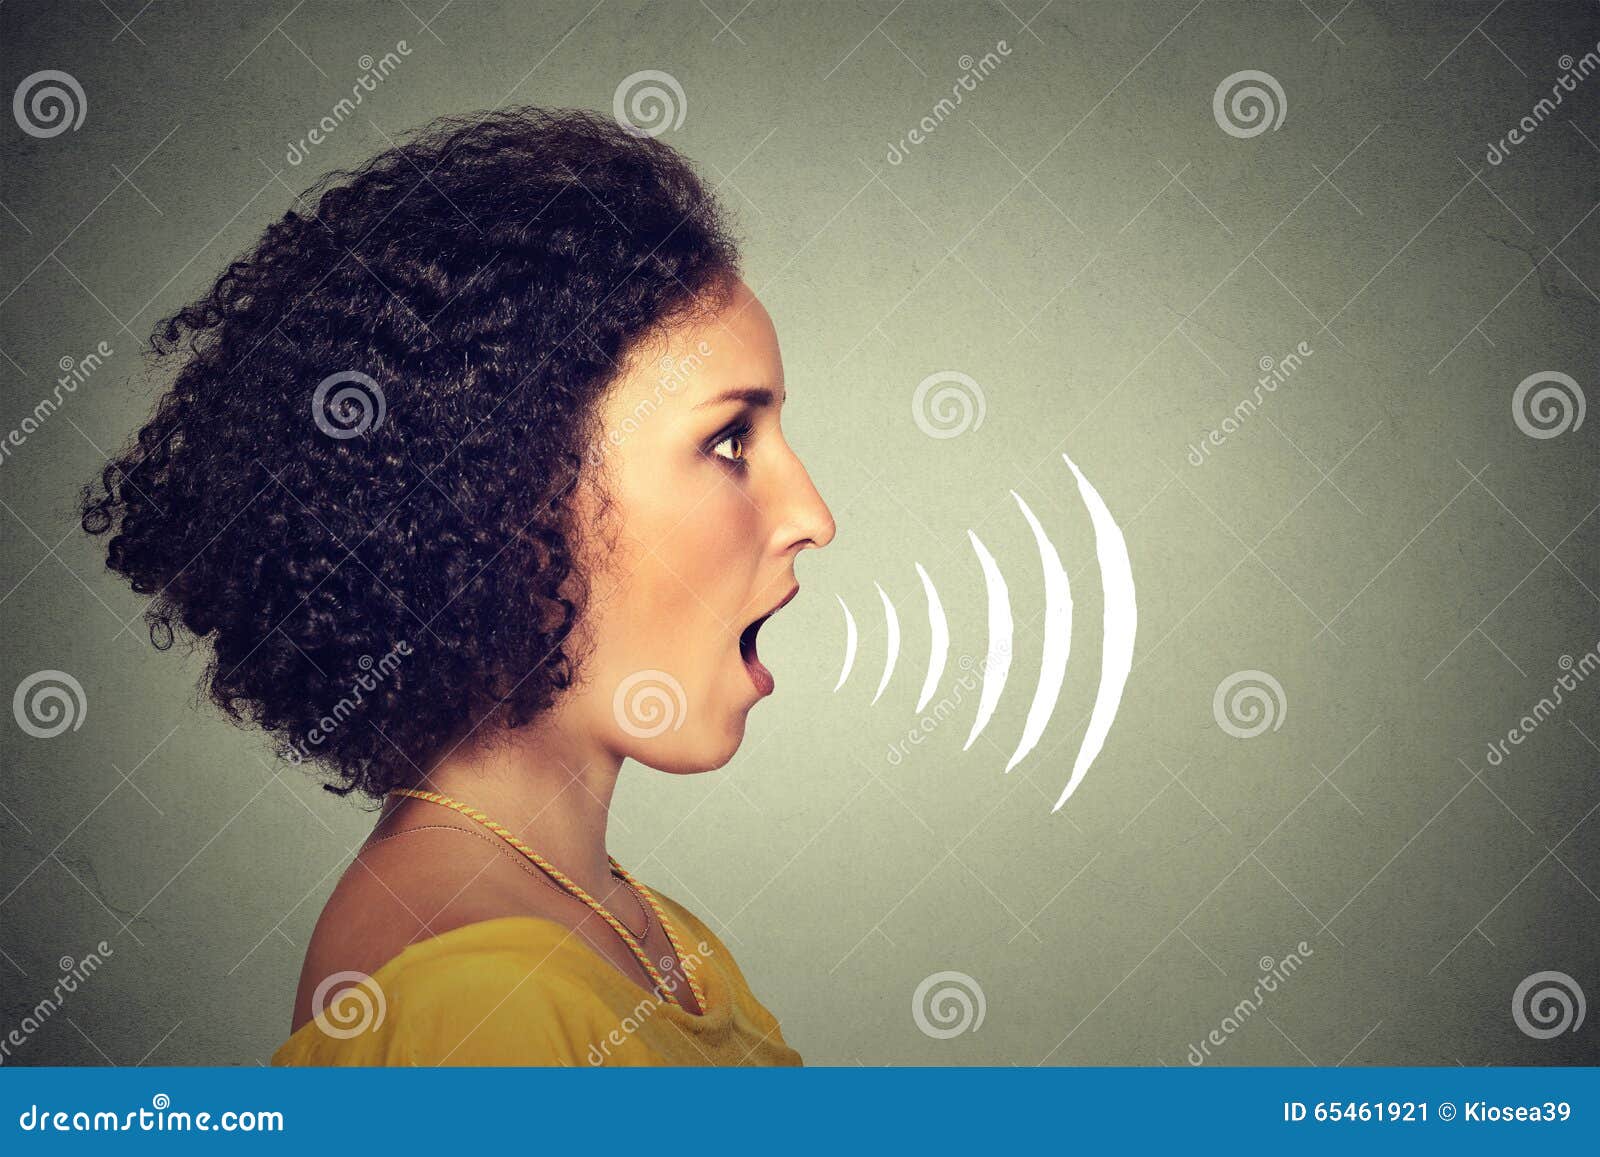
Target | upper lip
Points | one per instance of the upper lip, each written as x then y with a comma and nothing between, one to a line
794,590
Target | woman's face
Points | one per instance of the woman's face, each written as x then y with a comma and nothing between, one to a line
708,508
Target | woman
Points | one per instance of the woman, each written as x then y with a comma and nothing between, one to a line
472,479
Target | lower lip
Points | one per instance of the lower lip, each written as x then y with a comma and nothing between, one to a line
759,675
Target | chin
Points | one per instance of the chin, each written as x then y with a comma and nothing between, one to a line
681,731
689,754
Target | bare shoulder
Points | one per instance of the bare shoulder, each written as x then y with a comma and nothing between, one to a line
409,887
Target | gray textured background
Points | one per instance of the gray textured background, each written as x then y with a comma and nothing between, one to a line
1109,266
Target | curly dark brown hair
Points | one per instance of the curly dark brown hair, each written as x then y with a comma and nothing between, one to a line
355,489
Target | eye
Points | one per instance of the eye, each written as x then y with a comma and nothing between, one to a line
736,440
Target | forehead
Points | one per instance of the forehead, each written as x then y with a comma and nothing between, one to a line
700,359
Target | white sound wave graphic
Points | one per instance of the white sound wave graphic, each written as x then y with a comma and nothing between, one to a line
997,664
939,633
849,643
1057,638
891,623
1119,627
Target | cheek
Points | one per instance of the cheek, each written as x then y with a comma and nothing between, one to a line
692,559
693,553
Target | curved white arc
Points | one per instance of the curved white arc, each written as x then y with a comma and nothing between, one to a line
939,646
891,623
1057,638
849,643
997,664
1121,624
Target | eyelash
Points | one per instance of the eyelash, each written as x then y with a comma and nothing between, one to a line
741,430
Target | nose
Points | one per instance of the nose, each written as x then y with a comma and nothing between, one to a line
807,521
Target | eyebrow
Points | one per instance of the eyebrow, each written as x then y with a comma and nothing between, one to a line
754,395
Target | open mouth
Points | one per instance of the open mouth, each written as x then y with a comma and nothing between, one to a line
759,675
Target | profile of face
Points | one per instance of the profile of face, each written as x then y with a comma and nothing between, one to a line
707,509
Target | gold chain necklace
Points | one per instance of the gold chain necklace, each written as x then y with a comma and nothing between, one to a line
572,887
499,844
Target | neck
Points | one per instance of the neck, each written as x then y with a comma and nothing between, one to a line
550,792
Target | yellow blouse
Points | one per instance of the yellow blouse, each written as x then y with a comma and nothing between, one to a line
524,990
